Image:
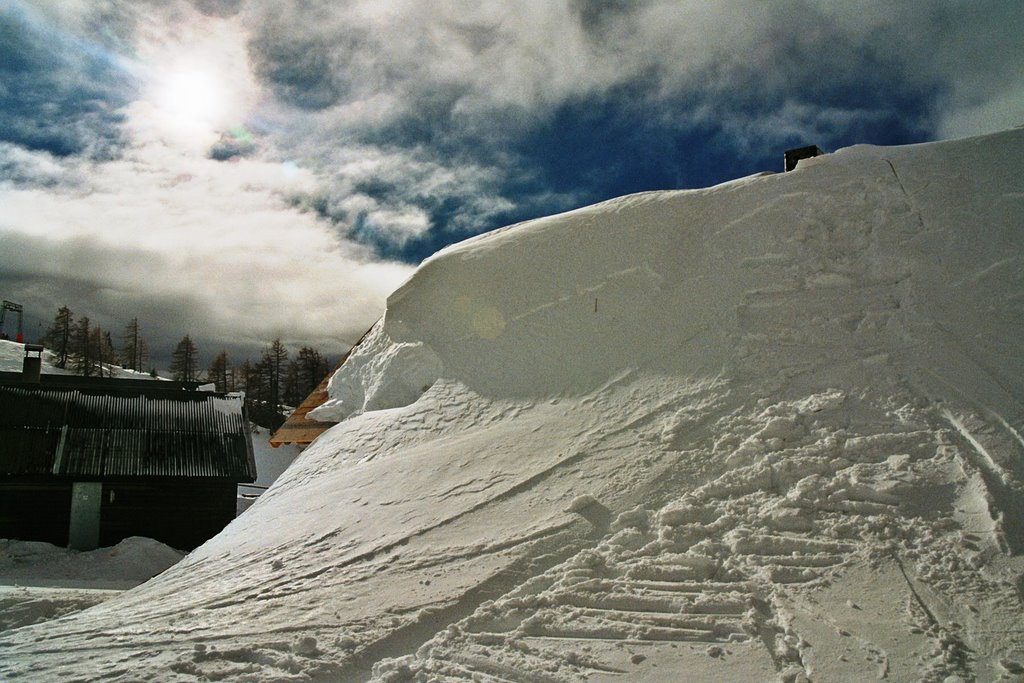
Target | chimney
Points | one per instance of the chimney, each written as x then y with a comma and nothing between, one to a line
32,367
792,156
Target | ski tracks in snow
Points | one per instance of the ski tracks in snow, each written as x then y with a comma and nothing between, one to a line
721,578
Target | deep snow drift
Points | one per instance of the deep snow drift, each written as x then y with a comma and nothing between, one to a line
766,430
39,581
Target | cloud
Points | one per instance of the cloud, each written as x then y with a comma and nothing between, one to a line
20,167
391,198
523,93
218,8
999,111
58,92
272,163
160,227
463,62
191,245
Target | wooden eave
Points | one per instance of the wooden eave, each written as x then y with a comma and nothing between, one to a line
299,429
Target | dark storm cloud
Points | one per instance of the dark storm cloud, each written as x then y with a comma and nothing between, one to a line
300,71
596,15
233,146
93,281
60,93
218,8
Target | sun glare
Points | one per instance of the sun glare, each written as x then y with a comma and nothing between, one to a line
191,97
197,84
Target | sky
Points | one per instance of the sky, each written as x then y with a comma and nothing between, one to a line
245,170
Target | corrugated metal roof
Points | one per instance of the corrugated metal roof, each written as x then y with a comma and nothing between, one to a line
125,432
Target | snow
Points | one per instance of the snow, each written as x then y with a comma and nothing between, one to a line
12,356
270,463
39,581
125,565
769,430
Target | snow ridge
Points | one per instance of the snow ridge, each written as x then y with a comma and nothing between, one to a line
763,431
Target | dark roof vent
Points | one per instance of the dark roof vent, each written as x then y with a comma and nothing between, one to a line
794,155
32,366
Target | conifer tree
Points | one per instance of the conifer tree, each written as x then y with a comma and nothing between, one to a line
275,362
58,337
134,349
249,381
291,394
107,352
219,373
81,351
185,360
311,368
101,349
254,379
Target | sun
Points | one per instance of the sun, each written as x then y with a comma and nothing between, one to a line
191,96
195,88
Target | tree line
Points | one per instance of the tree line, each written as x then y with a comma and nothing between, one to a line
88,349
276,379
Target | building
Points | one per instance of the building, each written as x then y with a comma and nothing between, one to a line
792,156
87,462
298,429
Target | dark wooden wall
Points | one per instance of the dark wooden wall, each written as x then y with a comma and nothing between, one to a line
183,513
35,511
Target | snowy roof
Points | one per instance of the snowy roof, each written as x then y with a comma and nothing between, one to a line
68,427
301,429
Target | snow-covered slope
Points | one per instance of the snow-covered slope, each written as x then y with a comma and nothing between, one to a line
12,356
766,430
39,581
